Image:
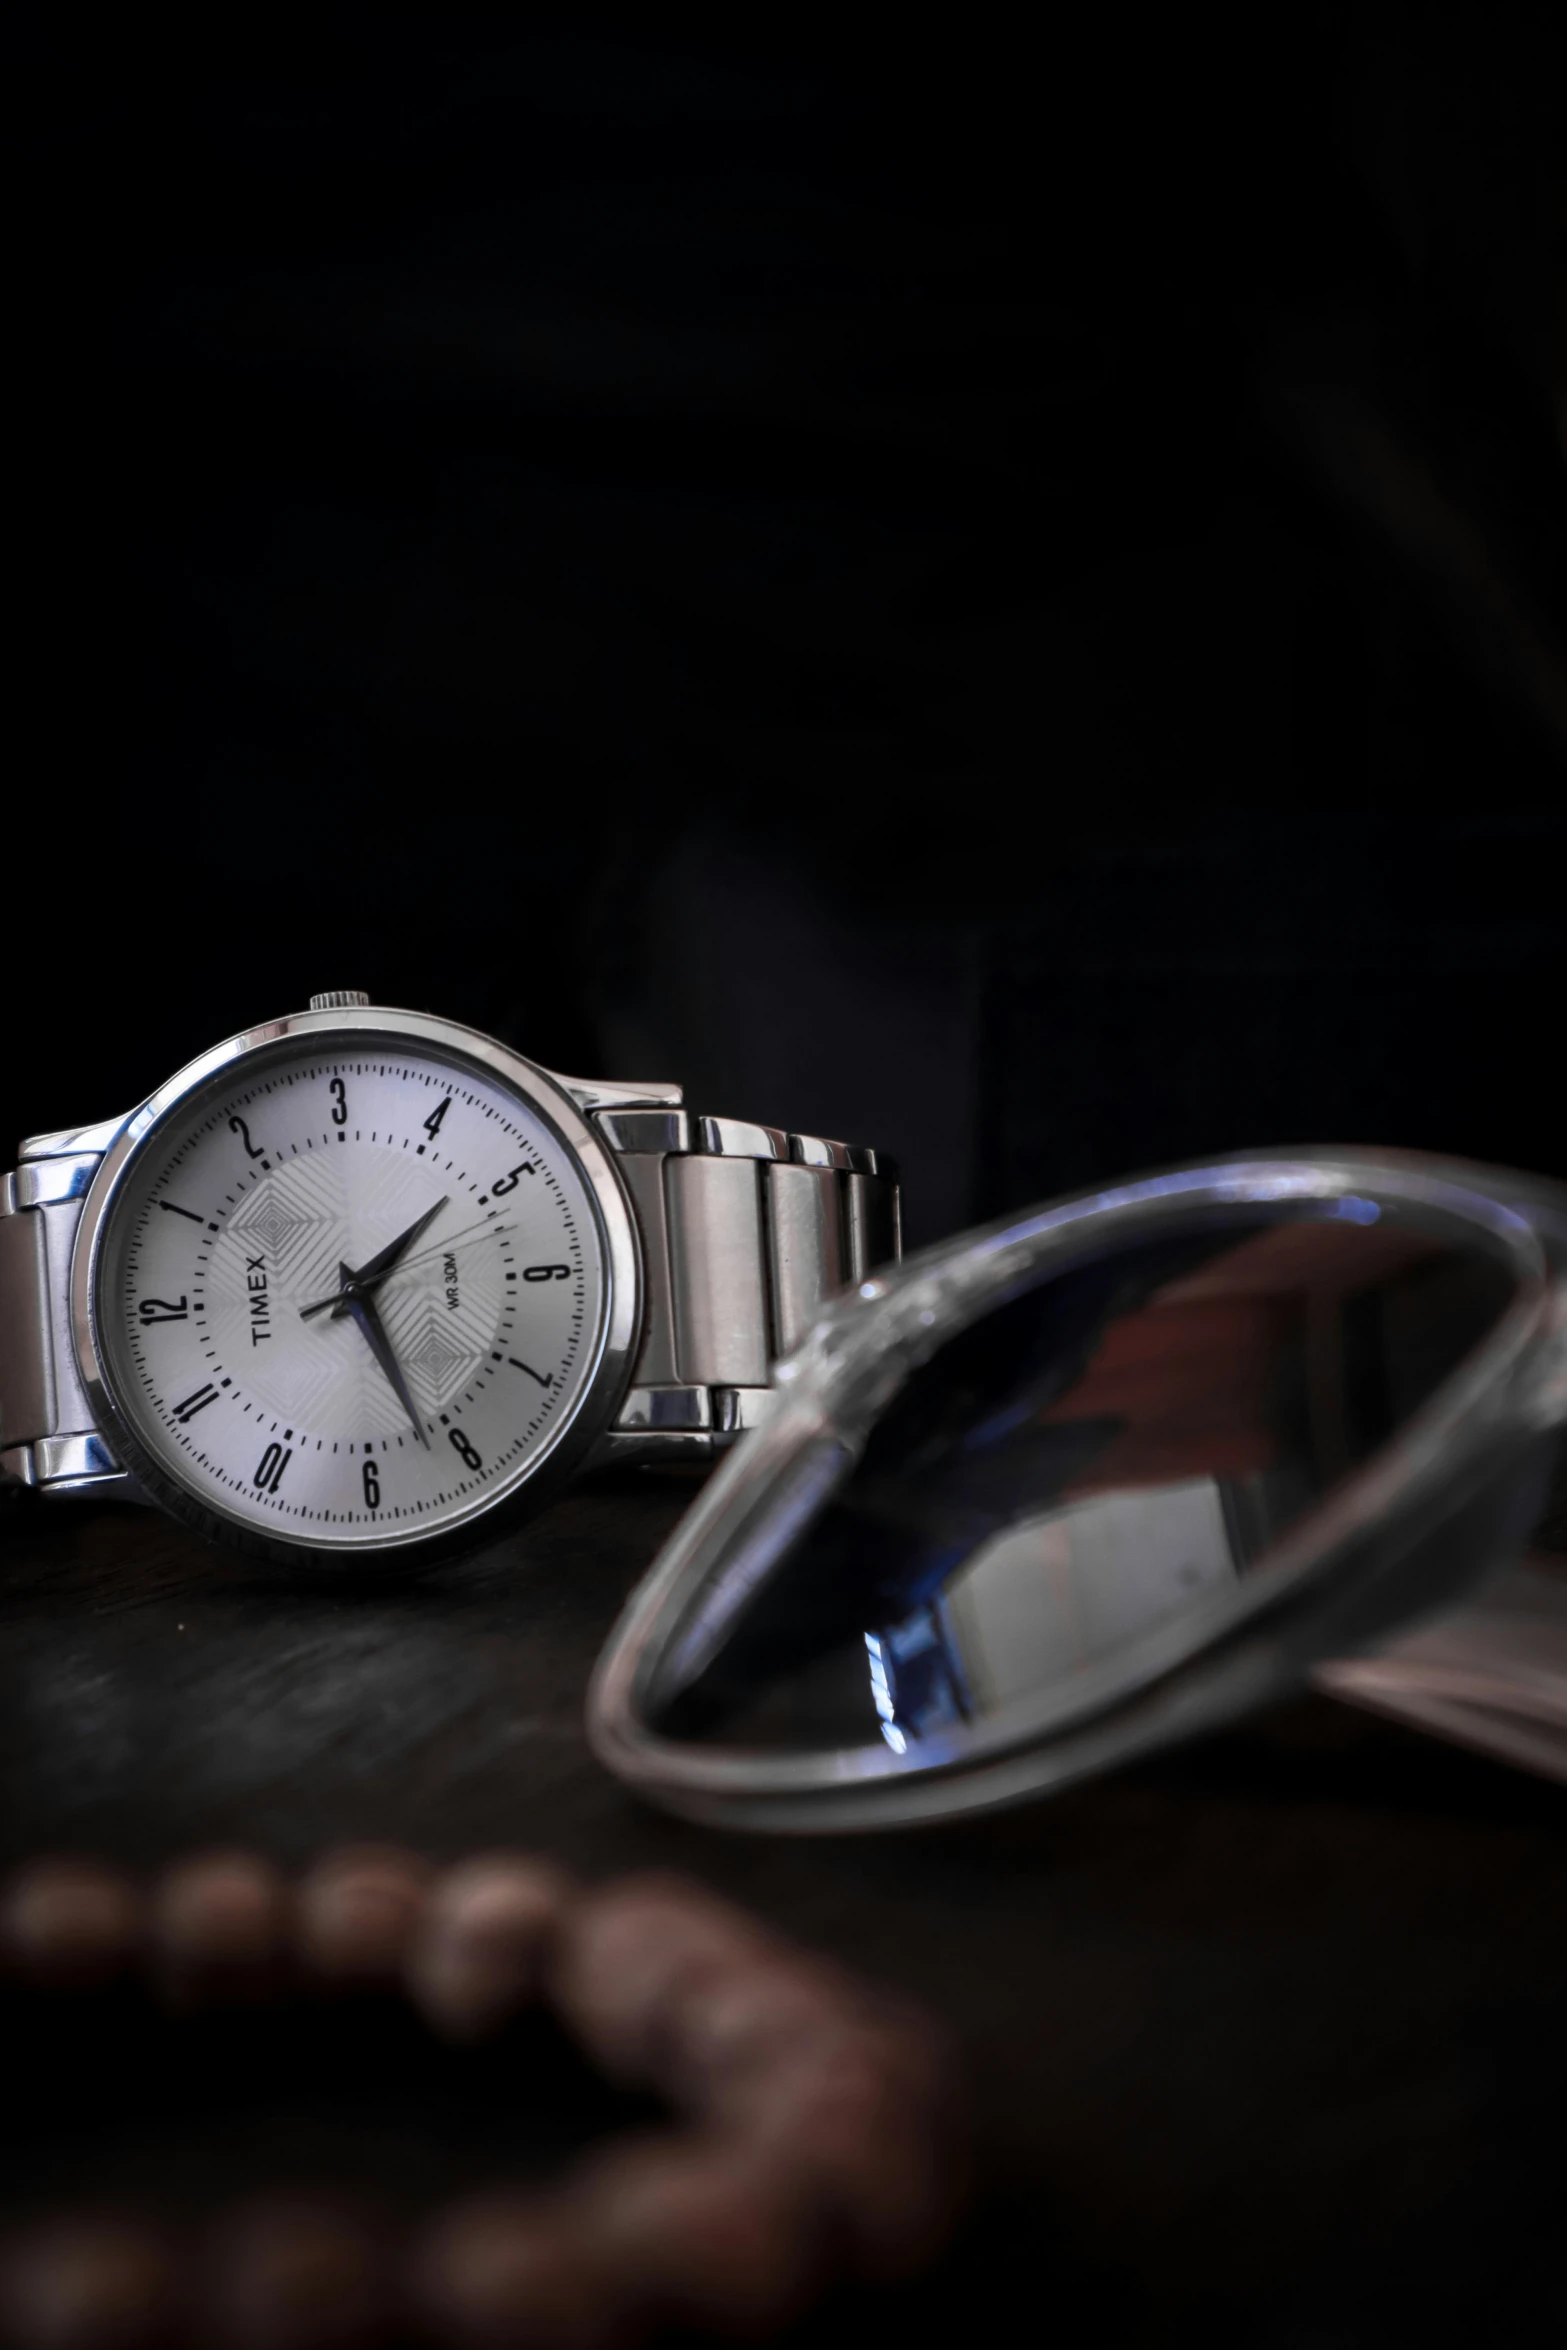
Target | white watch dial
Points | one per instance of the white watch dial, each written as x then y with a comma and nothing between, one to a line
352,1293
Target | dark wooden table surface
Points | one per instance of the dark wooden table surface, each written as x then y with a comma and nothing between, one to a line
1269,2039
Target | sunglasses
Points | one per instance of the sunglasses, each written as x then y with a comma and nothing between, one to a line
1097,1478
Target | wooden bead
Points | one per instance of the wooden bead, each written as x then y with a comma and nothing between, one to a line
507,2272
218,1926
357,1913
693,2231
480,1949
297,2274
90,2284
69,1924
863,2118
828,2130
626,1953
721,2029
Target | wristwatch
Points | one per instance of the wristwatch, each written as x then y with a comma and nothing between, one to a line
363,1281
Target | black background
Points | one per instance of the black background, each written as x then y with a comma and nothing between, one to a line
998,596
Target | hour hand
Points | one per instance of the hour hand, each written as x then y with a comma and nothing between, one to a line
369,1324
368,1275
382,1262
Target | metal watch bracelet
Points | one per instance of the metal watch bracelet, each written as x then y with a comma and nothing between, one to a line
745,1231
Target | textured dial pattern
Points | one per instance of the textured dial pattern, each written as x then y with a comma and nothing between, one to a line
353,1296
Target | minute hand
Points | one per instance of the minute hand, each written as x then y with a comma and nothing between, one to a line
368,1323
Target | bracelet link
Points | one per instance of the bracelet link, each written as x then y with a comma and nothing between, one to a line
47,1437
746,1232
27,1389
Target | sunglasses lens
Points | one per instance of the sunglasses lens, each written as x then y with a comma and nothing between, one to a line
1070,1483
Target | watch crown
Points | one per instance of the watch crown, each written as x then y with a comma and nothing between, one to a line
339,999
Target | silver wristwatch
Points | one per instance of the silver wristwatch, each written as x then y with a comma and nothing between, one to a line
365,1281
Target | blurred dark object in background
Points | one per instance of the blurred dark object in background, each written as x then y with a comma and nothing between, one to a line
1000,596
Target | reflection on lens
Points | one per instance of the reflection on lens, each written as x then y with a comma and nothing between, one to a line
1090,1466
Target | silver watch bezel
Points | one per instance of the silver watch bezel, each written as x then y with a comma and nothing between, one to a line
619,1317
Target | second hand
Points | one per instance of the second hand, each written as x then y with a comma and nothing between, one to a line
468,1232
422,1257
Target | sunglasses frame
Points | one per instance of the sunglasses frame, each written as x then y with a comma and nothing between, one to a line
1452,1494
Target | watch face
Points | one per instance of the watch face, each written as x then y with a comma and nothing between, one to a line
350,1290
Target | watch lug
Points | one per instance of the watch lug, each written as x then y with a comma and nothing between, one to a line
605,1093
17,1473
619,1448
681,1423
76,1141
70,1468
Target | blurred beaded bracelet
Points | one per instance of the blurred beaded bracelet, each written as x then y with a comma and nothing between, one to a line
819,2138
